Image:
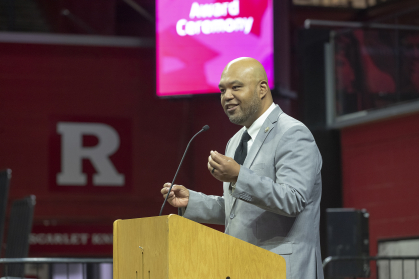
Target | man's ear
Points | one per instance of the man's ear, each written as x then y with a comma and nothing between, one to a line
263,88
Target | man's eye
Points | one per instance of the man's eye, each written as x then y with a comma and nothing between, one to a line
235,87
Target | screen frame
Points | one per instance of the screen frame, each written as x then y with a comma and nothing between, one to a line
205,92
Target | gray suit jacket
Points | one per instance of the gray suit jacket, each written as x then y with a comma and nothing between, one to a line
276,203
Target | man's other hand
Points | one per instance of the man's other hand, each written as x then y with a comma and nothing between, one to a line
222,167
178,197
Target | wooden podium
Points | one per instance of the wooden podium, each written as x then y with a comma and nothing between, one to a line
175,247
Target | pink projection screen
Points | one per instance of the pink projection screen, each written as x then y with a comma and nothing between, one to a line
195,39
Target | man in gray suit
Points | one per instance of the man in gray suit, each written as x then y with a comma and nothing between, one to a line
272,187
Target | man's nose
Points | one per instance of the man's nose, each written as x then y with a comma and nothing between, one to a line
228,95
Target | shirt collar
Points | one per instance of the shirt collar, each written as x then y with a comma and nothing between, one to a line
255,127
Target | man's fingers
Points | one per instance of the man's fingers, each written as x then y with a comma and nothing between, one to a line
166,187
171,196
213,164
222,157
164,192
217,157
210,168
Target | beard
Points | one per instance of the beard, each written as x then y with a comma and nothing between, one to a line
240,117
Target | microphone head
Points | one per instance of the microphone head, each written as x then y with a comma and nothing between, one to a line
206,127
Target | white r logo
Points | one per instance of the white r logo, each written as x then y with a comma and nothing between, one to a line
73,152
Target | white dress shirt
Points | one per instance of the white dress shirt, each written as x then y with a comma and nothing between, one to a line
255,127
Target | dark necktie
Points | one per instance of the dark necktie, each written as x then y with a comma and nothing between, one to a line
241,151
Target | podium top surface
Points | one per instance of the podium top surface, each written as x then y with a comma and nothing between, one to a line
174,247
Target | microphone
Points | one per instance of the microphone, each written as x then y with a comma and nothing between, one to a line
205,128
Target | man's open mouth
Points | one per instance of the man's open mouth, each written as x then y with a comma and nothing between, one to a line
231,107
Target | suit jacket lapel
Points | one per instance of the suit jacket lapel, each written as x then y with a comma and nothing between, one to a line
264,131
269,123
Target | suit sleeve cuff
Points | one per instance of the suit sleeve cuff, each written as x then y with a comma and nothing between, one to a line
241,186
193,198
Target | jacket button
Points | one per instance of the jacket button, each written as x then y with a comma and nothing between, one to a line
232,215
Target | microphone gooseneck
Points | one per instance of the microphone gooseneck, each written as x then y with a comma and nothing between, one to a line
205,128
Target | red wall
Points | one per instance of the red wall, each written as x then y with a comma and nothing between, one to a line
43,82
380,173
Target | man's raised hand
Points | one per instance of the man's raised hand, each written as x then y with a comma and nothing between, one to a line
222,167
178,197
